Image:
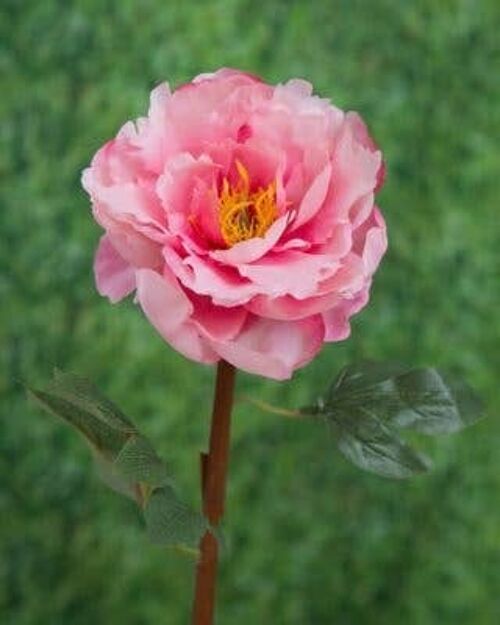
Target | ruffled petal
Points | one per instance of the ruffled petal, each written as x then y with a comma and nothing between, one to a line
273,349
217,322
252,249
313,198
169,310
336,320
115,278
290,273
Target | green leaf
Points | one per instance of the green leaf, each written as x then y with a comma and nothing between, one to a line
126,460
369,444
139,462
363,375
369,402
435,403
170,522
105,440
82,393
424,400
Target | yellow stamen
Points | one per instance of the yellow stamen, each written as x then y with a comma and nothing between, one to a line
245,214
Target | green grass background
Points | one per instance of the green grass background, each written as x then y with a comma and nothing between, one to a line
310,539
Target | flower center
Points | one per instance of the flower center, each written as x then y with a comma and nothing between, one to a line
244,214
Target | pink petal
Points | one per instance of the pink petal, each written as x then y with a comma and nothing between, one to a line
294,185
228,72
135,248
289,308
169,311
289,273
300,87
217,322
187,193
339,244
313,198
223,284
347,281
292,244
336,319
115,278
253,249
361,210
360,132
135,205
356,169
375,244
354,176
155,138
274,349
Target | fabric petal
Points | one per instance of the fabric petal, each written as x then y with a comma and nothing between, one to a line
375,243
313,198
115,278
336,320
252,249
273,349
169,310
289,273
223,284
288,308
218,323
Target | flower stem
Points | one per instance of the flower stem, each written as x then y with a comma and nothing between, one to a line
213,475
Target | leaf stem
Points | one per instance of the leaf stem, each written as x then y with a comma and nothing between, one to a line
214,467
284,412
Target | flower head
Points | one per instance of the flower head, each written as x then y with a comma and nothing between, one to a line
243,216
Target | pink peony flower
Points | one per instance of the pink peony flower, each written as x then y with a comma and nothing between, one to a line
243,216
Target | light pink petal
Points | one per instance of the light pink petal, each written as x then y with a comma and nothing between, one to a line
375,243
354,176
169,311
207,277
223,284
263,161
356,169
360,132
289,273
294,184
158,104
336,320
274,349
361,210
349,278
313,198
134,204
292,244
228,72
217,322
300,87
163,301
252,249
154,137
115,278
129,205
289,308
213,109
135,248
339,243
187,193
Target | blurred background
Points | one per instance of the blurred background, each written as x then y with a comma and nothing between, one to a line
311,540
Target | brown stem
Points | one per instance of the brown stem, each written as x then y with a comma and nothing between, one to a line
213,477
